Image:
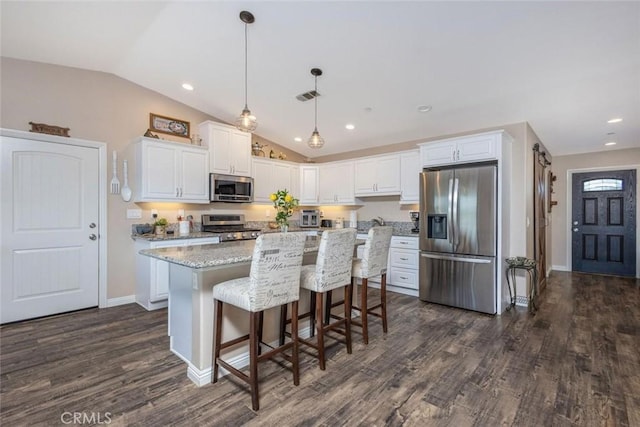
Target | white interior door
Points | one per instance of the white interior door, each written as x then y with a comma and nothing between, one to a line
49,228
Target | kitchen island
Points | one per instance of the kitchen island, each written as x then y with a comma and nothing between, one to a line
193,272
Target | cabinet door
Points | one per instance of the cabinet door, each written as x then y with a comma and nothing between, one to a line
438,153
343,182
365,177
388,175
280,177
194,170
294,178
309,185
219,141
240,153
476,148
159,272
328,184
159,171
262,187
410,177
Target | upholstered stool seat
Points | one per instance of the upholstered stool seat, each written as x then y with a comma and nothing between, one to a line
274,280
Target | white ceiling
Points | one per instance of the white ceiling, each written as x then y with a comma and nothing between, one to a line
565,67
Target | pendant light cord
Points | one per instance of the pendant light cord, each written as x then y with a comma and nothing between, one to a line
245,65
316,103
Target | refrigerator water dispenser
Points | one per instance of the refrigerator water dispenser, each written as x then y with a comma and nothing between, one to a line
436,226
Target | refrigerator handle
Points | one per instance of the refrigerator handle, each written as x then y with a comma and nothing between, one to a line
450,213
456,240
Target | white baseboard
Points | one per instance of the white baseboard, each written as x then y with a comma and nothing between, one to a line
560,268
113,302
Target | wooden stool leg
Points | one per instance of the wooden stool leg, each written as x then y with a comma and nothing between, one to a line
253,359
294,337
320,330
364,313
383,301
260,327
347,316
312,314
327,307
217,341
283,322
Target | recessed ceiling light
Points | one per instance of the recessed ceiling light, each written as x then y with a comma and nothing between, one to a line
349,126
616,120
297,139
187,86
424,108
610,143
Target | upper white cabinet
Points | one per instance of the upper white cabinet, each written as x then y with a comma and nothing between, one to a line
463,149
336,183
170,172
229,148
410,169
377,176
309,184
272,175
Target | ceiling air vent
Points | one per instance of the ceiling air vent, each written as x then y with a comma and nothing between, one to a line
307,96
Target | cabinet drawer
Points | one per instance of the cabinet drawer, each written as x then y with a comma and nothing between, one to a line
404,242
404,258
404,278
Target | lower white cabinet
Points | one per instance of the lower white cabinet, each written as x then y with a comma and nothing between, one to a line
152,275
402,265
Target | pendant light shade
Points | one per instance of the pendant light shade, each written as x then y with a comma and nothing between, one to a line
316,141
246,122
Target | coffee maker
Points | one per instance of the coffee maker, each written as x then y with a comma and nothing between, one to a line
415,218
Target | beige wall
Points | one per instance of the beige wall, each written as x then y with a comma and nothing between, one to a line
101,107
563,167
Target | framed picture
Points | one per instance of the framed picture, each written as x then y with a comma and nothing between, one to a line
169,125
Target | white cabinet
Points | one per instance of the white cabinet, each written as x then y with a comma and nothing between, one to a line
229,148
410,177
170,172
464,149
377,176
309,185
272,175
402,274
152,275
336,184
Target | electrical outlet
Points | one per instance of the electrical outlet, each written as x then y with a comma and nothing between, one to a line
321,214
267,213
134,213
181,213
154,213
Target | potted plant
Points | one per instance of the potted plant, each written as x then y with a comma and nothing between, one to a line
161,225
284,203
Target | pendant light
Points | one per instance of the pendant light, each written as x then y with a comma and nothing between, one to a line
316,140
246,122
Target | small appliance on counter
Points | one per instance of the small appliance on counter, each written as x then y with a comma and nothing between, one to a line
339,222
309,218
326,223
415,218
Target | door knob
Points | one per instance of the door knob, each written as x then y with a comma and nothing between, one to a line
575,229
93,237
92,225
575,222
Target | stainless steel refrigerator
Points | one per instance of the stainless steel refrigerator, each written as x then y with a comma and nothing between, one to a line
458,236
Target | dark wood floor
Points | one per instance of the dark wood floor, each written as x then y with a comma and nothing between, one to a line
576,362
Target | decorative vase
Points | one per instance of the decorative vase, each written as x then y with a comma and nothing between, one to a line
160,229
284,227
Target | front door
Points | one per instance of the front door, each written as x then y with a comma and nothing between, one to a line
604,222
49,228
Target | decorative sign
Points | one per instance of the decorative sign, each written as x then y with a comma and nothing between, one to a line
49,129
168,125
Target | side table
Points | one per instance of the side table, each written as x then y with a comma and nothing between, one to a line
531,267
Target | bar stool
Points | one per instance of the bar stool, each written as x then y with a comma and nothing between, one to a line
373,263
332,270
274,280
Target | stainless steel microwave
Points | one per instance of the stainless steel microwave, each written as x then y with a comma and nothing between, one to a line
230,188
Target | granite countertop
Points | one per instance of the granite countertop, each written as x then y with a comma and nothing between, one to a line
217,255
175,236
